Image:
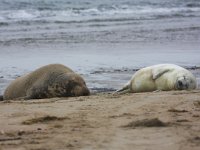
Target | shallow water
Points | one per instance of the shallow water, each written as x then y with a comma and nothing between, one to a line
105,41
102,66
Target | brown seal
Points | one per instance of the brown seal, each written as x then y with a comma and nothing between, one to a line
54,80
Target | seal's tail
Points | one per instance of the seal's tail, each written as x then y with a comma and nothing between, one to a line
123,90
1,97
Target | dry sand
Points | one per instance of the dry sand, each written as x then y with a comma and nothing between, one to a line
153,121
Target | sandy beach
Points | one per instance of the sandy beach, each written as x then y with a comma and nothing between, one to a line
158,120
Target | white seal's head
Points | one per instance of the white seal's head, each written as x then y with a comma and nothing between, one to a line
185,82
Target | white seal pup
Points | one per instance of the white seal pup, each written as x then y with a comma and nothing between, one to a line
54,80
164,77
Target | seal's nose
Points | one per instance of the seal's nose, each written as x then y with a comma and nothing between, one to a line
183,85
81,91
87,92
180,84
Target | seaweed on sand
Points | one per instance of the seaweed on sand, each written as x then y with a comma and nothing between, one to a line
43,119
155,122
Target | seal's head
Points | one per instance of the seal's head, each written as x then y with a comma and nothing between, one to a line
70,84
185,83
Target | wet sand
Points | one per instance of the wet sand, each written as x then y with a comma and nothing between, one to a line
160,120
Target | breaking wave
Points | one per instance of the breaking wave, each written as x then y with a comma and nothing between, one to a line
97,13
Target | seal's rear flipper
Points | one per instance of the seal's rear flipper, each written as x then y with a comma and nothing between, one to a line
125,89
122,92
1,97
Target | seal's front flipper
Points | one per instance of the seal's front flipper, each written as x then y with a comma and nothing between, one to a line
157,91
22,98
157,72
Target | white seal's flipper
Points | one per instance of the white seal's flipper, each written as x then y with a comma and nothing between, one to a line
157,72
157,91
123,90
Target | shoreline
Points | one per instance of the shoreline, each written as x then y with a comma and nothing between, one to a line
105,79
